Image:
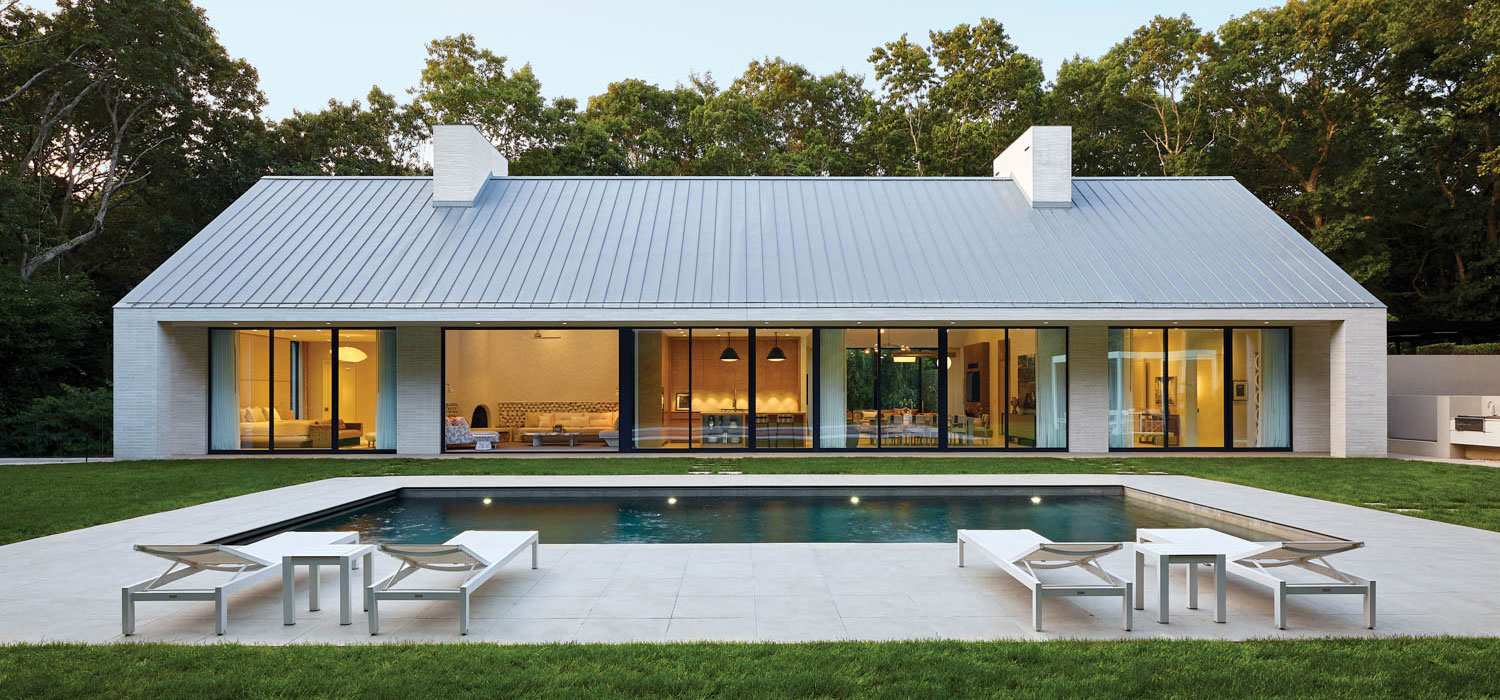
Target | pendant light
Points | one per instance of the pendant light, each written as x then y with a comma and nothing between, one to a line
776,354
729,355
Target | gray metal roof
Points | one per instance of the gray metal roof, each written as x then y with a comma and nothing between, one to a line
711,242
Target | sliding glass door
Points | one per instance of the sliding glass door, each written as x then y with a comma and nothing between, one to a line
302,389
1199,388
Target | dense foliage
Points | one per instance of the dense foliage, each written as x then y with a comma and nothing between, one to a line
1369,125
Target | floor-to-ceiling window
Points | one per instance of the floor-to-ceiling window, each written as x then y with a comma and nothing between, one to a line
1008,387
301,389
783,388
506,389
907,388
1204,388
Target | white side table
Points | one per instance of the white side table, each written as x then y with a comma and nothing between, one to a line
1169,554
343,556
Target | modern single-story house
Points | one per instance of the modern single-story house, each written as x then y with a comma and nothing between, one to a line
474,311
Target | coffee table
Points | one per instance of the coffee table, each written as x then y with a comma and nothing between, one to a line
340,555
539,439
1168,554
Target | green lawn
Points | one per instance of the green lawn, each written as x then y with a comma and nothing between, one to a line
1387,668
46,499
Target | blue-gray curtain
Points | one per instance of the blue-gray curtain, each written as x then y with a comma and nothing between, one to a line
1275,424
1120,401
224,394
1052,387
385,392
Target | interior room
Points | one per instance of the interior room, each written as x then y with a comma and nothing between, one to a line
693,388
294,389
547,389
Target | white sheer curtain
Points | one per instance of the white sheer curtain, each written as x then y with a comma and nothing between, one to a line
1275,406
224,393
1120,399
833,367
385,392
1052,387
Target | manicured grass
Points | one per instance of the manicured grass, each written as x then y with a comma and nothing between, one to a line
46,499
1384,668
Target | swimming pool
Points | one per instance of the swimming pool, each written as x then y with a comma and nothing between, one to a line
781,514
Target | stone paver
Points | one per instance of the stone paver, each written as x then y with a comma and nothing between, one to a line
1434,579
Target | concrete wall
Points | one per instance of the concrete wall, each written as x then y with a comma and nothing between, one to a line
1357,385
1310,368
419,383
1088,389
1446,375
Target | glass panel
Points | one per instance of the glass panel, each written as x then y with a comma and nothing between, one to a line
1021,400
783,386
908,380
551,389
1051,413
720,386
1135,388
240,389
846,379
1261,391
302,390
1195,383
976,387
365,388
654,406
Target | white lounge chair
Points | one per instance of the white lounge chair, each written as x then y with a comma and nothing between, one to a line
1021,552
479,553
1250,560
248,564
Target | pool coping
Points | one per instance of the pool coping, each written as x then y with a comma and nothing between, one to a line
1270,527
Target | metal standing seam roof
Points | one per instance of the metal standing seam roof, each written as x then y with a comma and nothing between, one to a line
746,242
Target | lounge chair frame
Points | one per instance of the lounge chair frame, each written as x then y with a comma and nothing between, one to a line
1251,561
189,560
452,556
1047,554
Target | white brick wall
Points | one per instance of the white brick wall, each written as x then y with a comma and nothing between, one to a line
419,382
1310,366
136,368
1088,389
1357,381
185,351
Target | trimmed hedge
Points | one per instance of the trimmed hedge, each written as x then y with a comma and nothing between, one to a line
1456,349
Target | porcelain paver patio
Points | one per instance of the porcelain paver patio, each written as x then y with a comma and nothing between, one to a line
1434,579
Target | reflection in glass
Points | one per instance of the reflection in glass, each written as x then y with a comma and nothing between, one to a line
976,387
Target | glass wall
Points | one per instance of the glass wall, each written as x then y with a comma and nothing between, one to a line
282,389
720,387
521,389
1008,387
1195,385
908,388
1206,388
1260,388
1136,414
783,388
846,399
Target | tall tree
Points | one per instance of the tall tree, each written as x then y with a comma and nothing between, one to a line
349,139
96,98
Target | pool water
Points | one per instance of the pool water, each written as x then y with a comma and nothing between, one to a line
597,516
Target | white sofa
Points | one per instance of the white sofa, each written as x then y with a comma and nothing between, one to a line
588,424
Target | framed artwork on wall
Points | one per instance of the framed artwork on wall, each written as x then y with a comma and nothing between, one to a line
682,401
1241,390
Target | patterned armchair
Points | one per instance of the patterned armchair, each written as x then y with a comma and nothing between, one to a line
456,432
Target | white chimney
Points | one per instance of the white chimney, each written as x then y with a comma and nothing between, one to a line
1041,164
462,161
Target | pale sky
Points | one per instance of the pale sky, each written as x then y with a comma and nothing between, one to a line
310,50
